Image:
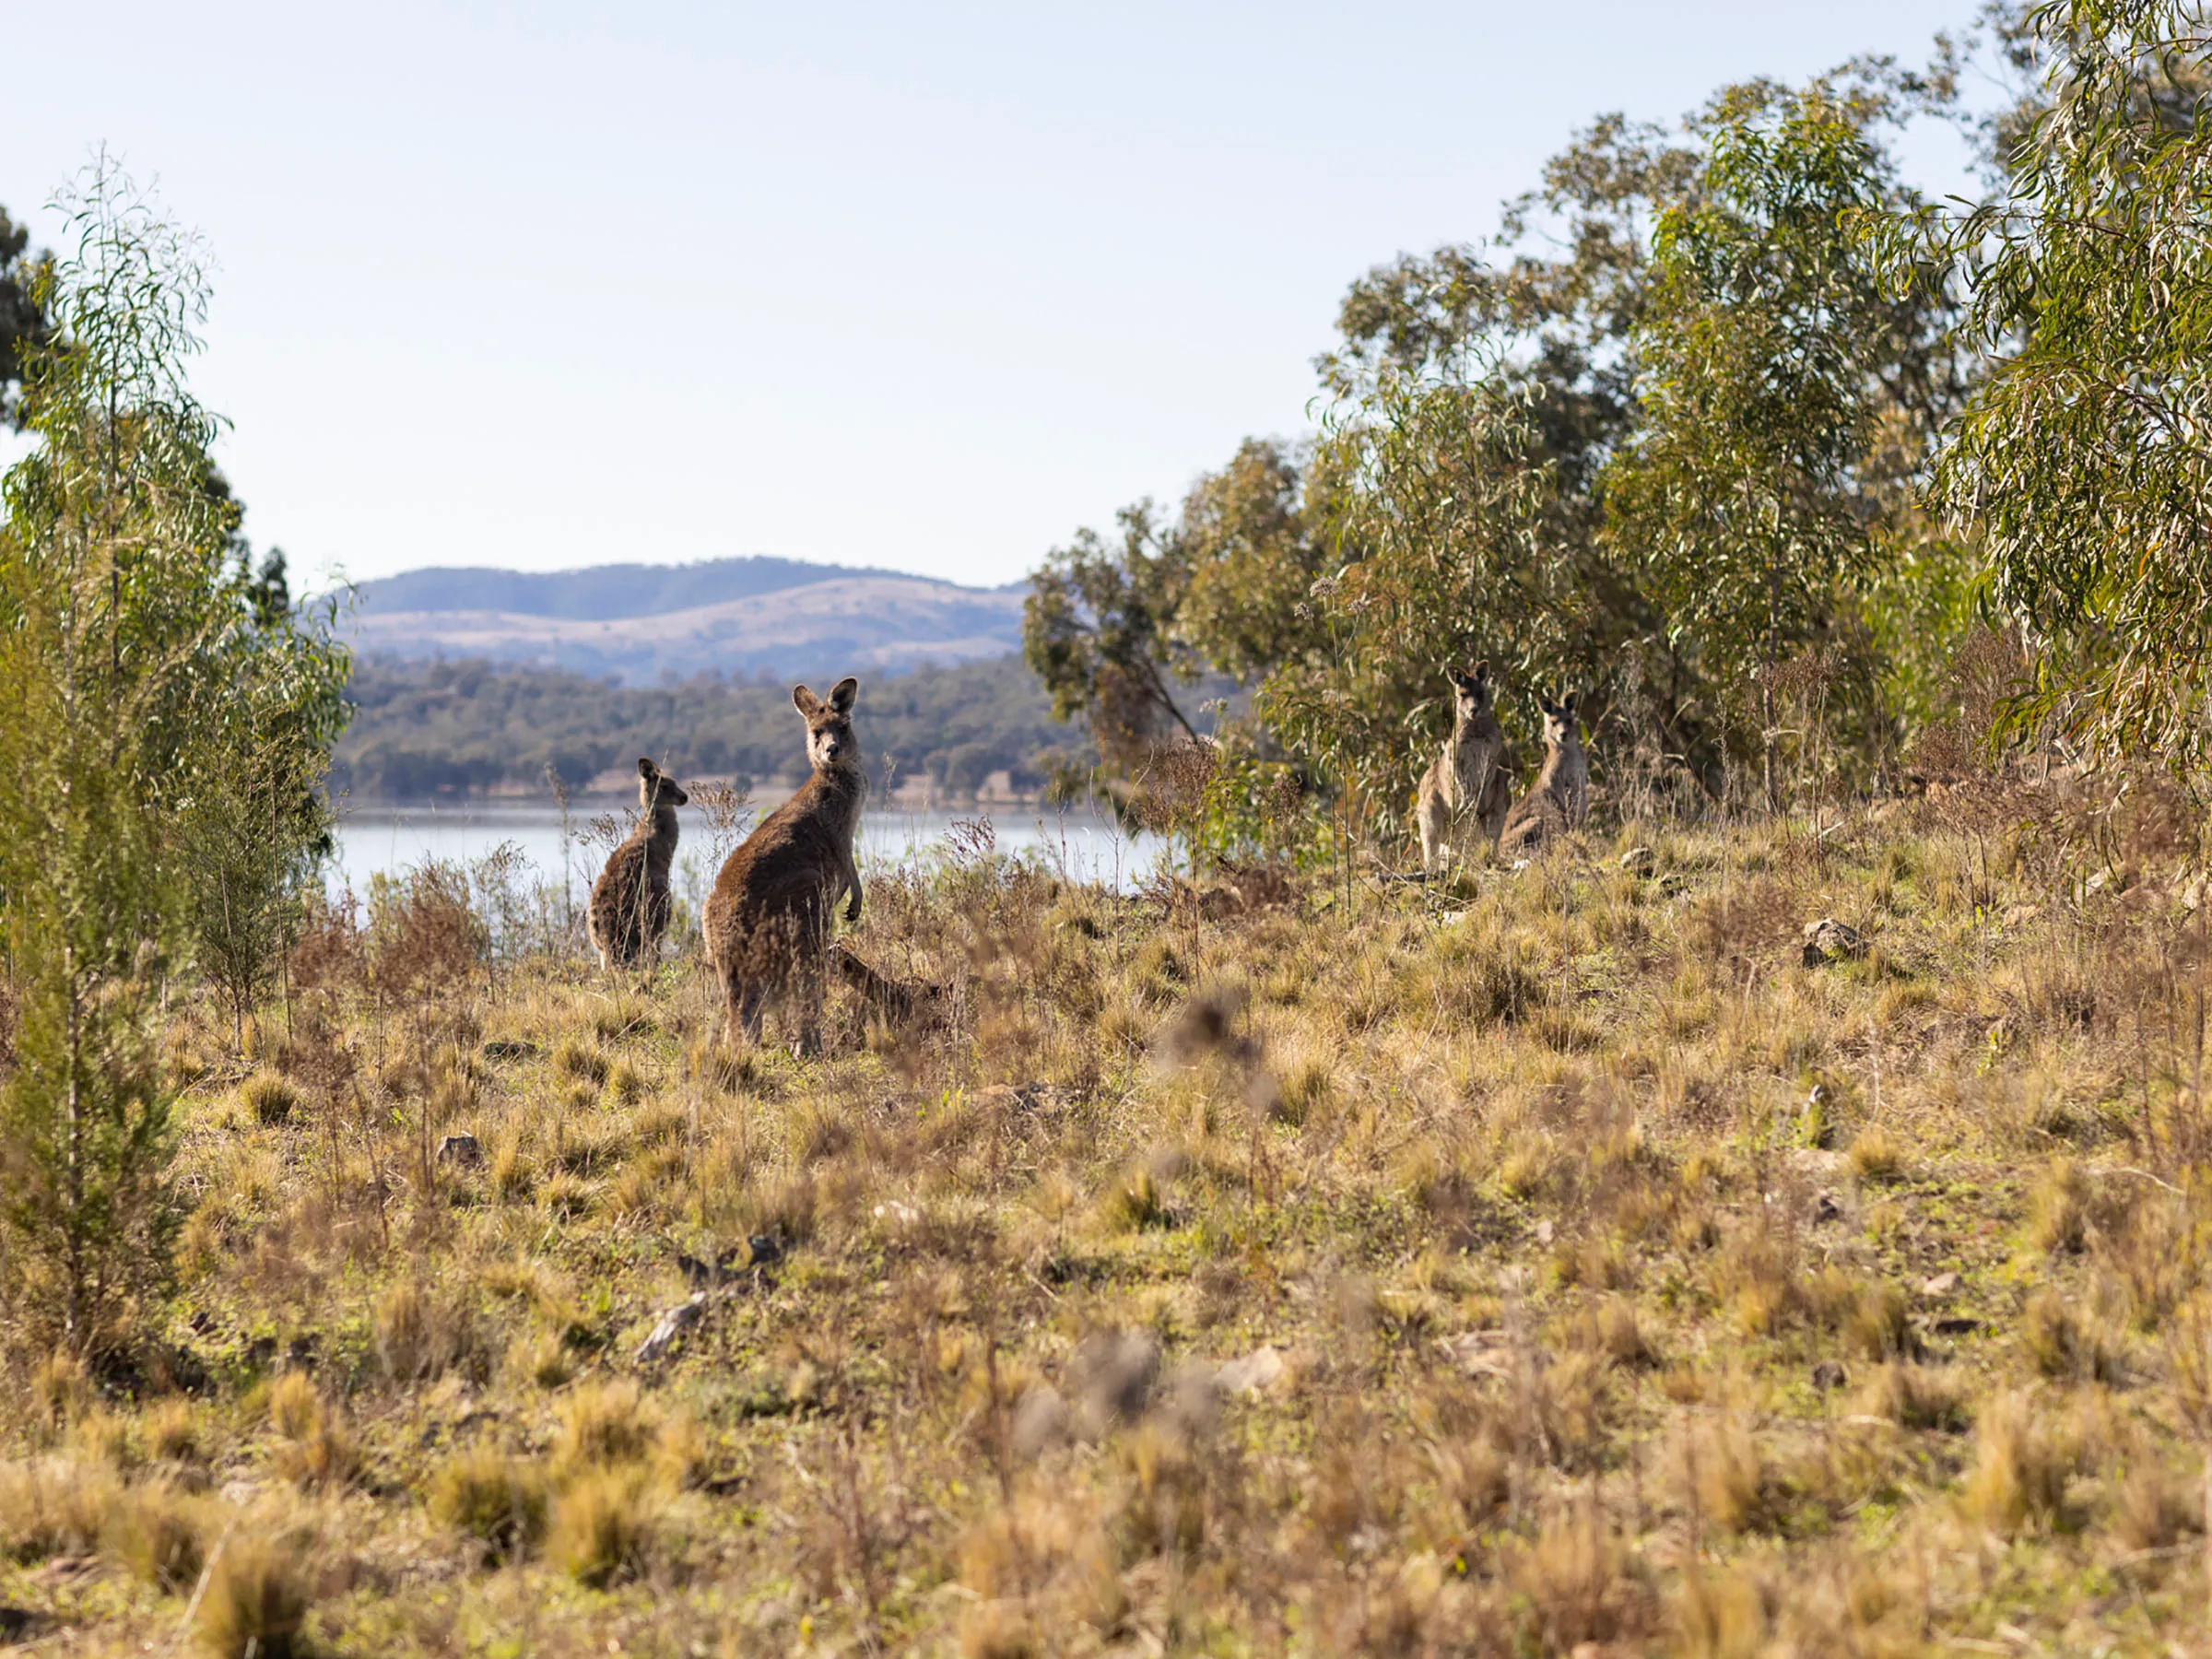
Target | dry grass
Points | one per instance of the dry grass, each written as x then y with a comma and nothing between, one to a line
256,1600
1560,1262
270,1096
500,1500
605,1524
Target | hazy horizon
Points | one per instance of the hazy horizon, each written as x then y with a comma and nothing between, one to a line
583,285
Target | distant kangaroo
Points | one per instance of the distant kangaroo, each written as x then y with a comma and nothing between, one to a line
1466,784
1561,797
768,920
630,900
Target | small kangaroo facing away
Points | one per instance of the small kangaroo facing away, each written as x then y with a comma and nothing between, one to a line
1466,784
1561,797
630,901
896,1003
767,923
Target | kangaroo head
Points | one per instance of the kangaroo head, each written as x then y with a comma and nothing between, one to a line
656,788
830,741
1558,719
1470,692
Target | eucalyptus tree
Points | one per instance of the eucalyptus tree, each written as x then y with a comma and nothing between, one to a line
1097,628
2083,459
1740,501
134,675
1251,546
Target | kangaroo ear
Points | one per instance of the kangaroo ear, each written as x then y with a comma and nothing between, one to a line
1567,708
645,767
806,701
1482,672
843,693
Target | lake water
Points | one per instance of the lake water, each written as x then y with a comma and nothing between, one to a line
371,838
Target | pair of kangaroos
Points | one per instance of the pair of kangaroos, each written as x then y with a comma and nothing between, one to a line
768,921
1468,786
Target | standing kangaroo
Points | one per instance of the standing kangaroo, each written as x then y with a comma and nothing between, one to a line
768,920
630,901
1561,797
1466,784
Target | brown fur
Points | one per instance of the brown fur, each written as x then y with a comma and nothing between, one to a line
895,1002
1467,785
630,901
768,921
1560,799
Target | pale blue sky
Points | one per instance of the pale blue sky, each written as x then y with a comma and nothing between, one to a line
920,286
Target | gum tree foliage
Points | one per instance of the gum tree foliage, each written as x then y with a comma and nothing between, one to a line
1252,552
1125,634
1097,627
133,674
2082,458
1547,315
1738,502
256,826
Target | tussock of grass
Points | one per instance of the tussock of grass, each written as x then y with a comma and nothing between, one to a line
1876,1155
314,1447
270,1098
1917,1396
501,1501
256,1602
2022,1463
581,1059
52,1507
2058,1217
174,1432
2155,1507
606,1525
605,1423
162,1535
421,1334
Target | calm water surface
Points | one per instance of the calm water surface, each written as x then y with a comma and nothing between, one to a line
373,838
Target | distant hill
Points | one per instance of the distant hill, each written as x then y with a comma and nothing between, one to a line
647,623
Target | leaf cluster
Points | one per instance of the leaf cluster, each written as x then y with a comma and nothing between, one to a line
2081,462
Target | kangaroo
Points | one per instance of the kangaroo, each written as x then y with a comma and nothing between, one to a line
1467,782
894,1002
630,900
1561,797
768,921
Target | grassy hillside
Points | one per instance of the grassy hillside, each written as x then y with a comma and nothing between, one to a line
1568,1263
423,729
